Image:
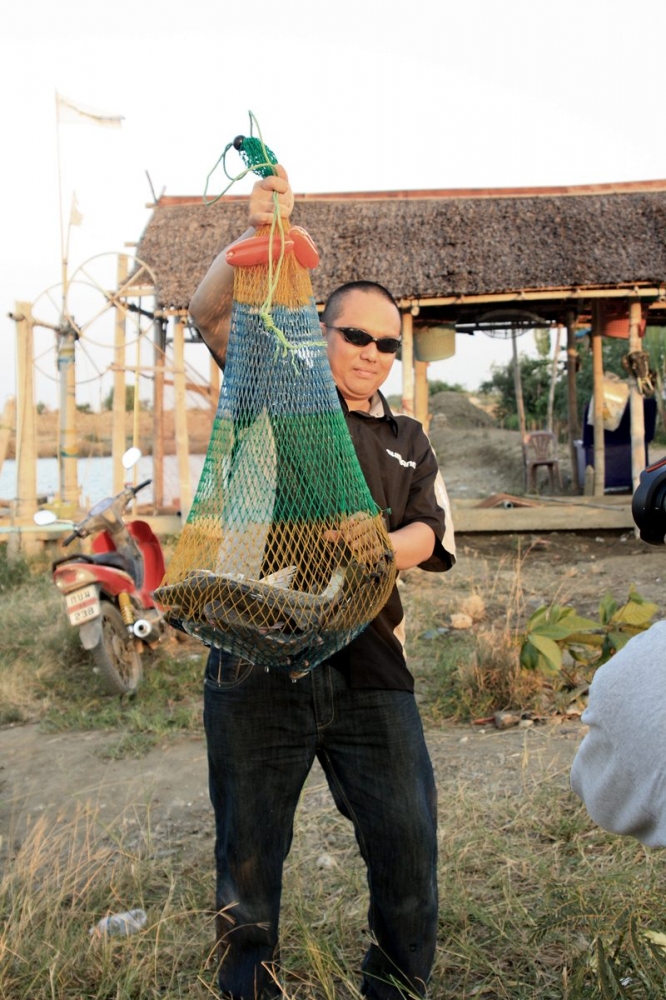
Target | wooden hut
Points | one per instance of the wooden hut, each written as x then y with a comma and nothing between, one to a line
475,259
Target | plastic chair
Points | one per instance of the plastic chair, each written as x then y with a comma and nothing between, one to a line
540,449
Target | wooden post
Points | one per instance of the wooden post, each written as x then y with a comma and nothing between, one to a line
118,436
26,433
572,398
407,353
598,389
421,399
636,411
68,451
518,386
158,414
180,416
6,427
553,378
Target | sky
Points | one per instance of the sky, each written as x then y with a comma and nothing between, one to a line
351,96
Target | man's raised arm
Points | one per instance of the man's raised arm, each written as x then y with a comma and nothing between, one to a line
210,306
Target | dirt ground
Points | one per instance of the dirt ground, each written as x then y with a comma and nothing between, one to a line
42,773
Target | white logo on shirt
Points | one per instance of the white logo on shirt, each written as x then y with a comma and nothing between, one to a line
406,465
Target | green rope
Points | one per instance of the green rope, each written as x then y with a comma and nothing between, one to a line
260,160
256,155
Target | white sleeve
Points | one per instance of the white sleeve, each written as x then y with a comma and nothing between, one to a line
620,768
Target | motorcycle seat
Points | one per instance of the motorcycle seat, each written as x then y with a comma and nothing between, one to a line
115,559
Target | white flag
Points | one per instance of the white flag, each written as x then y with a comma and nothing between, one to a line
69,112
75,217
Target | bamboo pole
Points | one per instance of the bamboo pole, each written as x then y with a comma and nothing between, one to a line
520,406
6,427
26,432
636,410
598,389
421,393
572,397
158,414
407,353
180,417
118,437
553,378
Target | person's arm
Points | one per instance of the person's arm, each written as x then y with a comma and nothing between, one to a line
413,544
210,306
619,769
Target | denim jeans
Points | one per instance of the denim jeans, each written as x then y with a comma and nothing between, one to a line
263,732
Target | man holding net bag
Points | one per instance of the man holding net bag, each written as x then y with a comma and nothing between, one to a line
356,711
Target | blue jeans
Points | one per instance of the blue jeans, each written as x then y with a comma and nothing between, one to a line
263,732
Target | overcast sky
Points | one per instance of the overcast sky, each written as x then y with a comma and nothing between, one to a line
351,96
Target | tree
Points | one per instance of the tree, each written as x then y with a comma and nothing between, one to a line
536,375
438,386
107,402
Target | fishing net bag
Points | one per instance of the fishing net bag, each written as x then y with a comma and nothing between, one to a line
285,556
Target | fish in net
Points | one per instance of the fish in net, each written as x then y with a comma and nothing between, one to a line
285,556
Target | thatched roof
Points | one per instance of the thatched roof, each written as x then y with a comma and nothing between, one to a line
434,245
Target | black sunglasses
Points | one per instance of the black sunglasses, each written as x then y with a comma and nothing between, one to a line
359,338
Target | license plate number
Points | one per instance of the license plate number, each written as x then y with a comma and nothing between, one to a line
82,605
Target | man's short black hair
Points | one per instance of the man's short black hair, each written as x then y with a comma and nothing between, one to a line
336,298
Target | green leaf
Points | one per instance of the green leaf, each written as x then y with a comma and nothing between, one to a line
549,650
539,615
633,613
607,608
576,622
618,639
528,656
554,632
586,639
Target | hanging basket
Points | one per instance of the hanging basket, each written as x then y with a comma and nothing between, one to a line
616,323
435,343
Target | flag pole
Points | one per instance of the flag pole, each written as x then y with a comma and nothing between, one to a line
63,250
66,338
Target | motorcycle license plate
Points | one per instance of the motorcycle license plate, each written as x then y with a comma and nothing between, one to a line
82,605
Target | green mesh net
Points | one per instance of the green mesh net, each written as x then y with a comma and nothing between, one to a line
285,556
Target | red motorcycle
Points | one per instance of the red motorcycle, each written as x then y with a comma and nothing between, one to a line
108,595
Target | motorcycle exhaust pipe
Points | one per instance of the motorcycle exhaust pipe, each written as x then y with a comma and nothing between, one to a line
143,629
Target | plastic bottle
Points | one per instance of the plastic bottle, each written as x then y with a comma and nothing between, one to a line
120,923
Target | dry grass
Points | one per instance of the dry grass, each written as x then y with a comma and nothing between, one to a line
535,901
509,857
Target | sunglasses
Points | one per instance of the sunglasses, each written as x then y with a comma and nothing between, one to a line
359,338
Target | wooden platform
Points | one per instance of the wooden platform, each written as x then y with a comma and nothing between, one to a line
520,514
543,514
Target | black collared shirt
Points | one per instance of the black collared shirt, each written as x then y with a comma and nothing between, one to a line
401,469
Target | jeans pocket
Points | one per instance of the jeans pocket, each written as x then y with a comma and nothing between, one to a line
223,670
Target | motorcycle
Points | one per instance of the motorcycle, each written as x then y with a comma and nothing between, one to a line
108,595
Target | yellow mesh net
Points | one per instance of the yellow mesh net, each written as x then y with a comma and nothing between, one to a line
285,556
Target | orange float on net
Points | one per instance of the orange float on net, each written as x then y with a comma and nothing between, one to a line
305,251
255,250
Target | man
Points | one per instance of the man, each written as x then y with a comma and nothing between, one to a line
356,713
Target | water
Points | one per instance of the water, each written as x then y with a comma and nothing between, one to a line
95,477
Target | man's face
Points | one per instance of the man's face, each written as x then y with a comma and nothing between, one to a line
359,371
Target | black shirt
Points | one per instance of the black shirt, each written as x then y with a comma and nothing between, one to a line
401,470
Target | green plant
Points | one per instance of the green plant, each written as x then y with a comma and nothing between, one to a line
13,571
553,631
